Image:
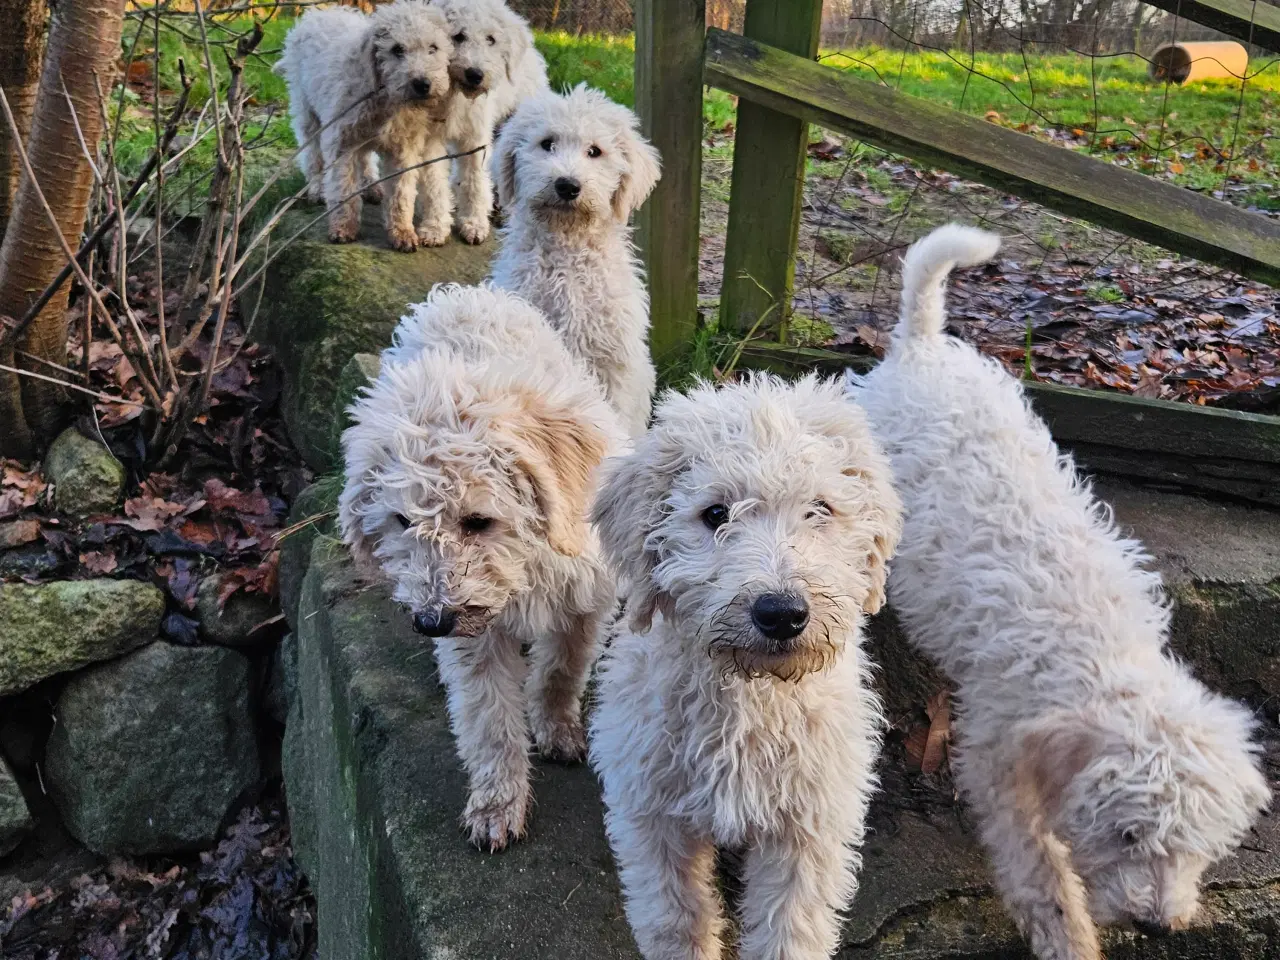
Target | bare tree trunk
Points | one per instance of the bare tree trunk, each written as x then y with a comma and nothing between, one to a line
84,38
21,44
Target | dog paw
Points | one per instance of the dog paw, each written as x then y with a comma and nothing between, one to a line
433,236
562,741
343,234
401,239
493,820
373,193
474,231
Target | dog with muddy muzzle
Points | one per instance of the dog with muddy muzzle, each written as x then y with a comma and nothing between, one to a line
751,527
470,464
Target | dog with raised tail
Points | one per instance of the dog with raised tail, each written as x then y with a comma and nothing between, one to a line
1105,776
751,528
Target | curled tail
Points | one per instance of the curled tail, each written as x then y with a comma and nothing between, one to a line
924,274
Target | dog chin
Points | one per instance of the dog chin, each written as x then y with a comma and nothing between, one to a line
754,663
561,213
472,621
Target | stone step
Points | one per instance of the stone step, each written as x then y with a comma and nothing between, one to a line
375,789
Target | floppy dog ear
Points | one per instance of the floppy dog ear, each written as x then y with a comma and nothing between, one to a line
510,140
520,42
1049,758
886,515
628,504
368,54
643,168
558,451
359,493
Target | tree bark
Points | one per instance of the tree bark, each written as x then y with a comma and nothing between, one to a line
21,45
84,37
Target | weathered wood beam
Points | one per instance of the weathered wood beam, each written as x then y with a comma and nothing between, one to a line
1070,182
1222,451
768,181
668,85
1253,22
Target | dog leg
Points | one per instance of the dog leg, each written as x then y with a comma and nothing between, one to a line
668,878
796,885
373,192
341,180
475,197
1040,889
436,195
397,211
305,127
559,676
484,678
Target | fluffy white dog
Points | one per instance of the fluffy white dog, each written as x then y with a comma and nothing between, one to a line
570,171
364,84
752,526
1105,776
493,66
469,469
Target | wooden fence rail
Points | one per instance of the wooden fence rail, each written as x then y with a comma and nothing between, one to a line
781,90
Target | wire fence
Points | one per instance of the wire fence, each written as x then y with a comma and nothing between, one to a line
1068,301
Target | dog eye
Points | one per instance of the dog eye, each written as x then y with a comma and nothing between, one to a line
401,519
593,151
491,41
476,523
716,515
433,49
1130,837
819,508
398,51
459,38
547,144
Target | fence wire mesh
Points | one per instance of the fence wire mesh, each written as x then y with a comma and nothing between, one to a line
1067,301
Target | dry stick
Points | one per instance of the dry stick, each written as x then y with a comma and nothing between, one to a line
122,245
17,371
101,230
21,150
166,360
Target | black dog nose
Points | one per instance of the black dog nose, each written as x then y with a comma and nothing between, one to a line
474,76
437,622
780,616
568,189
420,86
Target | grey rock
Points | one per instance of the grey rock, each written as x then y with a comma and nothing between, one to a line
282,680
150,751
15,819
312,516
233,625
87,478
56,627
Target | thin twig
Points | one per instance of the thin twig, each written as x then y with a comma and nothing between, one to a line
17,371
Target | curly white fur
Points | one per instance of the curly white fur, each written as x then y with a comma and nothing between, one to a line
1105,776
493,66
360,84
573,256
469,468
709,730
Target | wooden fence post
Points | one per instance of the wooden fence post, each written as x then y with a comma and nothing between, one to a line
768,179
668,85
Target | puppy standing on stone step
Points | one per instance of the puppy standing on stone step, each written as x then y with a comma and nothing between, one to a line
362,84
570,171
469,469
494,66
1106,777
752,526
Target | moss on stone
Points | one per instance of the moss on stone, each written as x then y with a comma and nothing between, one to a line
87,478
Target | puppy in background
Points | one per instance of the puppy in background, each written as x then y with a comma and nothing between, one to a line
469,470
1106,777
493,67
570,171
751,526
364,84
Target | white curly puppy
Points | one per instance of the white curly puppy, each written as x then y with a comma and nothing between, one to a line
1106,777
469,469
752,526
493,66
570,171
364,84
